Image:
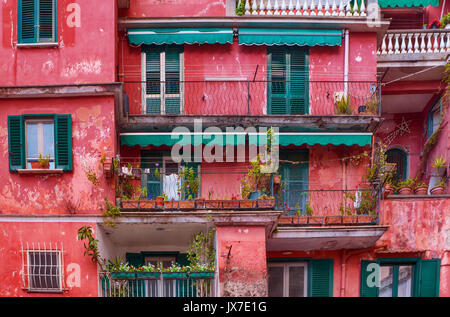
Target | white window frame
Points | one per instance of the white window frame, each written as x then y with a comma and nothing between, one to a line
40,139
162,71
31,275
286,267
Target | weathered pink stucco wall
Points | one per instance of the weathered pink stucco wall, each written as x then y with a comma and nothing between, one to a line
175,8
86,51
93,133
244,271
80,274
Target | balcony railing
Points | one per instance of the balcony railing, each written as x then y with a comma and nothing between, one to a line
415,42
227,97
341,8
142,284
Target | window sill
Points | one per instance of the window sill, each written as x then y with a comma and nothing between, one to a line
37,45
39,171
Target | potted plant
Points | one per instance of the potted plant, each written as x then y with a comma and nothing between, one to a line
128,204
201,271
147,272
43,162
406,187
266,201
144,202
445,22
175,271
438,189
343,106
389,187
160,201
256,183
230,204
187,204
200,203
421,188
123,271
439,164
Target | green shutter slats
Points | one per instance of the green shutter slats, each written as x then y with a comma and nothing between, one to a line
367,279
27,22
429,274
321,277
63,138
295,176
153,106
153,72
299,74
46,23
16,143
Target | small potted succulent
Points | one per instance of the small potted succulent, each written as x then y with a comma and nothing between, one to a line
439,165
421,188
405,187
43,162
438,189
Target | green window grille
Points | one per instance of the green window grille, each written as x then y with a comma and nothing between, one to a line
287,77
63,140
37,20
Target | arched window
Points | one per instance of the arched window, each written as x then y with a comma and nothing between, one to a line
400,158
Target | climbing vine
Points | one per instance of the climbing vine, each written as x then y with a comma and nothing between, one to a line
91,248
201,250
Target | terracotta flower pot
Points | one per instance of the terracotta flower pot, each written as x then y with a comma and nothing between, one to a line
159,202
405,191
212,204
186,204
230,204
171,204
147,204
388,190
266,203
437,190
247,203
423,190
129,204
200,202
107,169
37,165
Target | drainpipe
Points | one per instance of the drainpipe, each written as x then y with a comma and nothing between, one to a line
346,53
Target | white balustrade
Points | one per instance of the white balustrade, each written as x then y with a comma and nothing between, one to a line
342,8
415,42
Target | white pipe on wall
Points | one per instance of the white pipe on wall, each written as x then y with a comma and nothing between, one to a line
346,54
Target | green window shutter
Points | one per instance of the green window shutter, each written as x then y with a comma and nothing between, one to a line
321,278
368,273
153,71
63,139
135,259
47,17
16,142
288,75
152,180
295,176
429,273
26,21
173,77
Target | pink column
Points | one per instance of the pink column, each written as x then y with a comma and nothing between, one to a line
444,283
242,264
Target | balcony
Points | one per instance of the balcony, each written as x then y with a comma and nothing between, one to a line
311,8
146,284
310,104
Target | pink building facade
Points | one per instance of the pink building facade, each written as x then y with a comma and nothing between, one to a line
109,94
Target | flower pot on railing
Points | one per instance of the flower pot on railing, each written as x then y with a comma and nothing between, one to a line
200,203
174,275
123,275
148,275
108,169
147,204
171,204
201,275
405,191
129,204
437,190
159,202
247,203
421,190
388,190
212,204
266,203
38,165
230,204
186,204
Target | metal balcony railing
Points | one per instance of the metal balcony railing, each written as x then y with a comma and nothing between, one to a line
342,8
432,41
140,284
228,97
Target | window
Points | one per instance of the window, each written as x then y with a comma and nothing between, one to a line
48,135
400,158
287,279
36,21
295,177
161,176
44,270
160,261
434,117
162,79
287,76
300,277
400,277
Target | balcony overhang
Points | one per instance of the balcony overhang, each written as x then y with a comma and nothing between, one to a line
324,238
286,123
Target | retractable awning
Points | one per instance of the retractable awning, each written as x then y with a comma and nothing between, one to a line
299,37
180,36
237,138
407,3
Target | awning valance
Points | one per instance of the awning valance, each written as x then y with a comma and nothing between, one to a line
180,36
407,3
283,139
299,37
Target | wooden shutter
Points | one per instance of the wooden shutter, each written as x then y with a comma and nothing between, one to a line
288,75
295,176
63,142
16,143
153,81
46,20
429,273
150,180
27,21
172,82
321,278
366,290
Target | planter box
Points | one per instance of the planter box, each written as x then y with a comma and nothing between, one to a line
348,219
366,219
230,204
314,220
200,204
147,204
148,275
286,220
37,165
247,204
186,204
159,203
175,275
108,169
171,204
123,275
201,275
266,203
302,220
333,220
129,204
212,204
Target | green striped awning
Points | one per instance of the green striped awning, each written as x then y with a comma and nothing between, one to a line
407,3
299,37
237,138
180,36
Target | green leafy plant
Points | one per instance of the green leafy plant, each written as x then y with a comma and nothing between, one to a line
439,162
110,212
44,160
343,106
445,20
420,184
240,7
201,251
189,184
372,106
406,183
91,248
92,177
